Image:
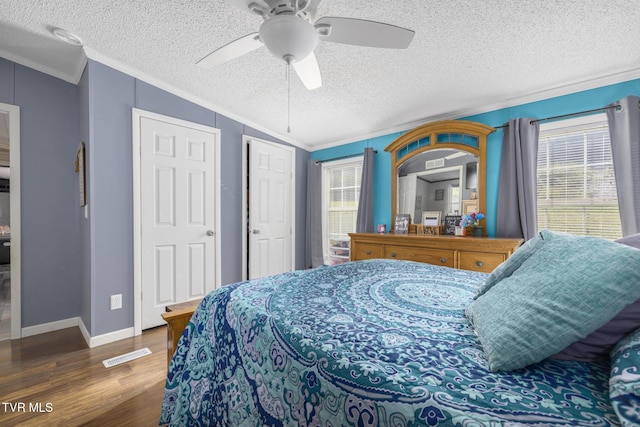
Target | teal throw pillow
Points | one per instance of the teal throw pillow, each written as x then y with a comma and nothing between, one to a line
565,289
512,263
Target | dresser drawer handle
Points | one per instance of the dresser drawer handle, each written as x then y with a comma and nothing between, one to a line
443,260
368,252
393,254
479,263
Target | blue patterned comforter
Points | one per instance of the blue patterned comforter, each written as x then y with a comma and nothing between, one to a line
370,343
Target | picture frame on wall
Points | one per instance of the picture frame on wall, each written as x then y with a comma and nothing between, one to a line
402,224
439,194
82,174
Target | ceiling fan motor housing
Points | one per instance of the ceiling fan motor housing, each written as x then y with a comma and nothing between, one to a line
288,37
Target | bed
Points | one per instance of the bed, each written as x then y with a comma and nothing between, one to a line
367,343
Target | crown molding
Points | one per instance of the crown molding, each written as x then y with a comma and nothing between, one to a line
98,57
562,90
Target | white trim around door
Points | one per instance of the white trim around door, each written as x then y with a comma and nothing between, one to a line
246,140
14,201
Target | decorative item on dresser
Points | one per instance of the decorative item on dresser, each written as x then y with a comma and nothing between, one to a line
402,223
472,253
471,223
450,224
429,230
431,218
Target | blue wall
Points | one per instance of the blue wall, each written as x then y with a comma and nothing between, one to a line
50,215
580,101
111,97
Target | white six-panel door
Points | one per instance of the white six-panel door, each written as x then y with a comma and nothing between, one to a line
177,215
270,213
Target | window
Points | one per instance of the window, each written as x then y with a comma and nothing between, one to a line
340,197
454,199
576,185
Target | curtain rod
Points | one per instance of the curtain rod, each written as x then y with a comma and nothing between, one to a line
343,157
562,116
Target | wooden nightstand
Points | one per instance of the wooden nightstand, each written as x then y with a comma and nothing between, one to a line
177,317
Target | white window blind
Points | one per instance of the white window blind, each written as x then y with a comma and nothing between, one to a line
576,185
341,195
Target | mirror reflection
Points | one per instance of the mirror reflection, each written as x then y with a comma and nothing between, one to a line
440,180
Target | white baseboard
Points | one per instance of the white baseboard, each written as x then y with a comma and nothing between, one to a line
105,338
85,332
50,327
77,321
110,337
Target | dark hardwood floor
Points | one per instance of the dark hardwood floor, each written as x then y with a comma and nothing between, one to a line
62,382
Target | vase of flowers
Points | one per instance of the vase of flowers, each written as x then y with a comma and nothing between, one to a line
471,224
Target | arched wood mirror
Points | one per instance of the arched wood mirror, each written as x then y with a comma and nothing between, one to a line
441,168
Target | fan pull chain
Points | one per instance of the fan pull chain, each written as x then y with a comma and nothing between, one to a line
288,96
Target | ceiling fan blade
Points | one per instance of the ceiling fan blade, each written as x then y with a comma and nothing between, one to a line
259,7
361,32
309,71
231,51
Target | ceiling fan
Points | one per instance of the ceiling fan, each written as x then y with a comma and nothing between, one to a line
291,32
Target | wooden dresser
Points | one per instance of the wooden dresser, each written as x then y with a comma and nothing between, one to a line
467,253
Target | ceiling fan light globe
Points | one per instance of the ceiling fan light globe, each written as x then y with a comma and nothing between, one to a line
288,37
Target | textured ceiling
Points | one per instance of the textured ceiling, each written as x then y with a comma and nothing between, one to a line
466,57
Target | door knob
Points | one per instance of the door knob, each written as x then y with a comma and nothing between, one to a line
210,233
254,231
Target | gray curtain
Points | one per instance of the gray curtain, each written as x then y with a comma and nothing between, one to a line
364,221
624,130
314,255
517,189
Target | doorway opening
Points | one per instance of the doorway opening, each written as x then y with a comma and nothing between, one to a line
5,229
10,314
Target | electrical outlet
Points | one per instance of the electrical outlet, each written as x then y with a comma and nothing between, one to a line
116,301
